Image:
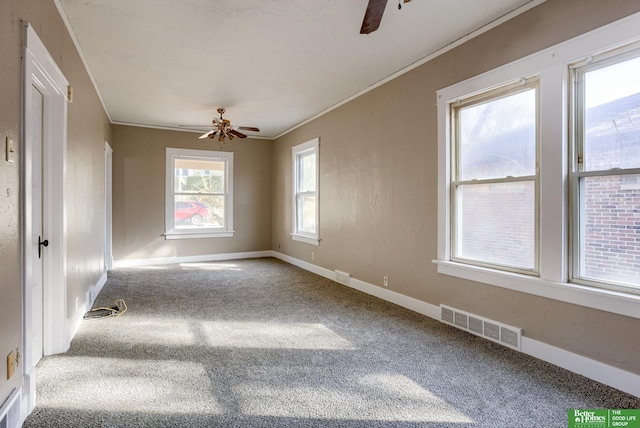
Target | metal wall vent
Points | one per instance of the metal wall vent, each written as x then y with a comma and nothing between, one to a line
503,334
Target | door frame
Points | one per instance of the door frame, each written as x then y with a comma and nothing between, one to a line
40,69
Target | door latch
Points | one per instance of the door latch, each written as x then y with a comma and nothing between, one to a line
41,244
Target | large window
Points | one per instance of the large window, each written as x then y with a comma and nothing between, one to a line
539,173
606,171
199,194
305,192
494,184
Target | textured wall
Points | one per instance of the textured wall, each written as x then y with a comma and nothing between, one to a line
378,188
88,128
139,195
10,273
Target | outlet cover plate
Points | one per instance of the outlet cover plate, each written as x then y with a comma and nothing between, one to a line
11,364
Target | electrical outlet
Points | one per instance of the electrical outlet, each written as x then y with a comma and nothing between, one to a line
386,281
313,255
11,364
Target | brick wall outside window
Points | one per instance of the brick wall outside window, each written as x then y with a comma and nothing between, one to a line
612,228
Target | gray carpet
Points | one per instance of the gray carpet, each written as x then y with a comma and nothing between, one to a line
263,343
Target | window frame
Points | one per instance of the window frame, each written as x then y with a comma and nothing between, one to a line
577,112
504,91
311,146
170,231
551,65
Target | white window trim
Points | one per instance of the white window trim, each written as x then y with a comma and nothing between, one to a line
551,65
309,238
209,232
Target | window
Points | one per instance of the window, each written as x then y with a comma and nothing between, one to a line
305,192
606,172
199,194
495,178
539,173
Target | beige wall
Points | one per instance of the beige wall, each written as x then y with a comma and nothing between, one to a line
378,185
378,188
139,195
88,128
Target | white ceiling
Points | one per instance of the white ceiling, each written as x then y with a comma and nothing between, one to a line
271,64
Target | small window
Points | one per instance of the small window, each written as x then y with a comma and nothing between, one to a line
199,196
606,172
305,192
495,180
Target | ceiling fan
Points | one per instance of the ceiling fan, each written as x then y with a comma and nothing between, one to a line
373,15
222,128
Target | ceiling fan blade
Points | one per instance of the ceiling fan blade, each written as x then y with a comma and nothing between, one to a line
249,128
207,135
373,16
236,133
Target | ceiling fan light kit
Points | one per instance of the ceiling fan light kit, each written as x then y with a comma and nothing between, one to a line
223,129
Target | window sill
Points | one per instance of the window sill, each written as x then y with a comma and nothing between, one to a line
590,297
173,235
304,238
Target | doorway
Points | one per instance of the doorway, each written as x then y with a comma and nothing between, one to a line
44,120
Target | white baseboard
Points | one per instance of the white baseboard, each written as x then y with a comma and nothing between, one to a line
595,370
191,259
318,270
10,410
94,290
399,299
98,287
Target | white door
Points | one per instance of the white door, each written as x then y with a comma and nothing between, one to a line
38,241
44,118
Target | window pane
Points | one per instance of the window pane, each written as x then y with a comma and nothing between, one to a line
498,138
610,245
612,117
307,213
199,176
495,223
307,171
199,211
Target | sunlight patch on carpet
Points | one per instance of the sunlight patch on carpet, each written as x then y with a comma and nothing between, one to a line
158,331
161,387
236,334
209,266
360,396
